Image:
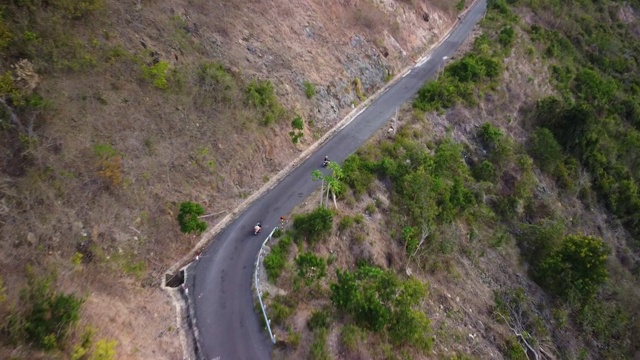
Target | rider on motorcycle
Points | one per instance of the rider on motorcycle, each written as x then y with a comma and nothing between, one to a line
326,161
257,228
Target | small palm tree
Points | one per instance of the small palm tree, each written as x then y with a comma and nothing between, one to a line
333,181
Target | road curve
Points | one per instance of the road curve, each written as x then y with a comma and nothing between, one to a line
219,282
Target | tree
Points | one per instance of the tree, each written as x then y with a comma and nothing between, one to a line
378,300
578,267
49,315
188,218
333,181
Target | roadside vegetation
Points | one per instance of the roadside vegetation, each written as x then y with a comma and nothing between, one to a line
482,198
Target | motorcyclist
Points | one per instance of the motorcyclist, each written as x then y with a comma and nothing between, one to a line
257,228
326,161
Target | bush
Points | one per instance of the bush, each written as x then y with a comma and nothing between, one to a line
318,350
577,268
357,174
512,350
379,301
310,267
297,124
309,89
214,80
293,338
275,261
280,309
188,218
47,317
539,241
507,36
156,73
320,319
105,350
436,95
489,135
484,171
498,147
351,336
261,95
314,225
345,223
546,150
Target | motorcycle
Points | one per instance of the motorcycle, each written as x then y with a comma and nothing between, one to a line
257,229
326,163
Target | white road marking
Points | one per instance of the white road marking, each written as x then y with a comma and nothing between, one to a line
407,73
422,61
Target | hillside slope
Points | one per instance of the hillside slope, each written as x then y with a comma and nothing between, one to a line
112,113
499,222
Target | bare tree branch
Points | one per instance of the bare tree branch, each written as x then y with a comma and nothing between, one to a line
12,115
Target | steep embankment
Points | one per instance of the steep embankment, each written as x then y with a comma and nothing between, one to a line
114,112
499,221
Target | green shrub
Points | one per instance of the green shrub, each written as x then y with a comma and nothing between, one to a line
293,338
298,125
351,336
489,135
5,35
357,84
484,171
188,218
280,309
47,317
379,301
105,350
275,261
499,5
577,268
512,350
498,147
318,350
538,241
309,89
261,95
214,80
157,74
357,174
594,88
371,208
345,223
507,36
310,267
546,150
314,225
436,95
320,319
410,239
467,69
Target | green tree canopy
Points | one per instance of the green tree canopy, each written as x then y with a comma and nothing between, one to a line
577,267
188,218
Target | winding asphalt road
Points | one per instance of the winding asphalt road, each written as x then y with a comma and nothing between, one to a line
219,283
